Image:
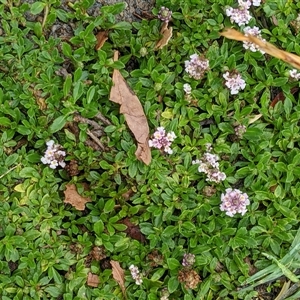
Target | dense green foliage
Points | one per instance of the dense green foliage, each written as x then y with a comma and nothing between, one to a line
47,79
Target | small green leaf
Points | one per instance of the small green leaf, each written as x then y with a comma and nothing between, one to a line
58,124
109,205
37,7
173,284
98,227
173,263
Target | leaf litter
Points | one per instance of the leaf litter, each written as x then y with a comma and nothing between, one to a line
72,197
132,109
118,275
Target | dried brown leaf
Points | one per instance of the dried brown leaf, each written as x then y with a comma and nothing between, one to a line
72,197
93,280
133,230
132,109
290,58
101,37
118,275
167,33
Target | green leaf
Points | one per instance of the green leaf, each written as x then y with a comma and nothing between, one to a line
37,7
5,121
10,160
90,94
98,227
173,263
58,124
67,85
173,284
66,49
29,172
109,206
122,26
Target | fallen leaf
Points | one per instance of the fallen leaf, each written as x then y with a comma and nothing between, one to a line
118,275
133,230
290,58
101,37
166,36
254,118
72,197
132,109
93,280
281,96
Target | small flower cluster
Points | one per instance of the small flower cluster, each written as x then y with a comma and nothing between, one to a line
188,260
294,74
190,278
164,14
164,294
240,130
135,273
161,139
241,15
254,31
196,66
234,82
187,89
54,156
210,166
234,201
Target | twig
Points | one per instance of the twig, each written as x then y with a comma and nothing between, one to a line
95,139
46,12
8,171
81,119
100,117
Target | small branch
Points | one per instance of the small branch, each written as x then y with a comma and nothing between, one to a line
95,139
81,119
8,171
46,12
100,117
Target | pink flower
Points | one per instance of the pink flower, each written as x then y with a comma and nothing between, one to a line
234,201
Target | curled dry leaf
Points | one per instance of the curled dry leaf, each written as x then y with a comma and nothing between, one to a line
290,58
132,109
118,275
167,33
93,280
72,197
101,37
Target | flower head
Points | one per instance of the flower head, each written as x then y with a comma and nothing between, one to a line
254,31
210,166
240,130
54,156
164,14
187,88
162,140
188,259
294,74
135,273
234,201
196,66
234,82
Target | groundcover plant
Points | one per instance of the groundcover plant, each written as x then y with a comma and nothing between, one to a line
153,159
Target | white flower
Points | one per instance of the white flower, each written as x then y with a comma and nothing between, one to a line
256,2
294,74
53,156
187,88
234,82
254,31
